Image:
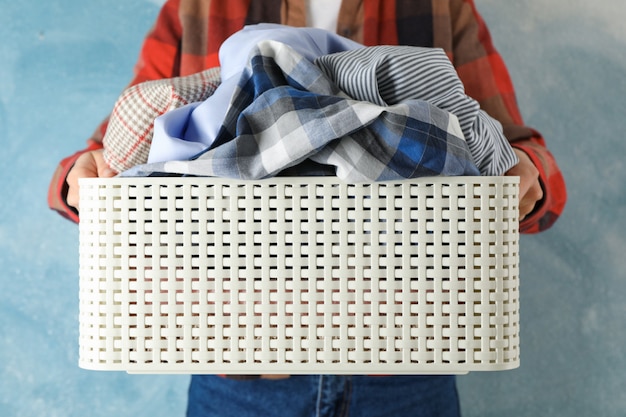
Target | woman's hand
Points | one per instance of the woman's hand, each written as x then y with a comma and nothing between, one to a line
530,191
89,165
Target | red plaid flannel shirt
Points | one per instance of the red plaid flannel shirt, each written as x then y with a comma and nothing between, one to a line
188,33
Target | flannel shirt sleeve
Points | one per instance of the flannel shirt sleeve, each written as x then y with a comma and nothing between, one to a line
158,59
486,79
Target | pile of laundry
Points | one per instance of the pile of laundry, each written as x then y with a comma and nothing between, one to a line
303,101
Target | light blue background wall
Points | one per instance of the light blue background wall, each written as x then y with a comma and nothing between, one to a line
62,65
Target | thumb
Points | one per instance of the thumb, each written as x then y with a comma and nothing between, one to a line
103,168
107,172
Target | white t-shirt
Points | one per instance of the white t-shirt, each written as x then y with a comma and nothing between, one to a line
323,14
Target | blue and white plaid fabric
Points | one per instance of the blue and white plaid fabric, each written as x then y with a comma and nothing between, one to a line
289,114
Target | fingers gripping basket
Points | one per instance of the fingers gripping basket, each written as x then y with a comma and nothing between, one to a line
299,275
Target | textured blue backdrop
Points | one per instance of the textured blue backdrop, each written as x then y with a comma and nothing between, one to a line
62,65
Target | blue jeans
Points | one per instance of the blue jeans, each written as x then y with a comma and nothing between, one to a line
324,396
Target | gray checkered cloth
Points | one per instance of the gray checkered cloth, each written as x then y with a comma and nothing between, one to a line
129,133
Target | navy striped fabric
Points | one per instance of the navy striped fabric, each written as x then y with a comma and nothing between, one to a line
388,75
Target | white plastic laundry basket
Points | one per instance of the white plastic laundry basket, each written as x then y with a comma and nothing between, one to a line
299,275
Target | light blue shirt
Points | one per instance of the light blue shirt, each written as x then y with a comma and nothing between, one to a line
182,133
